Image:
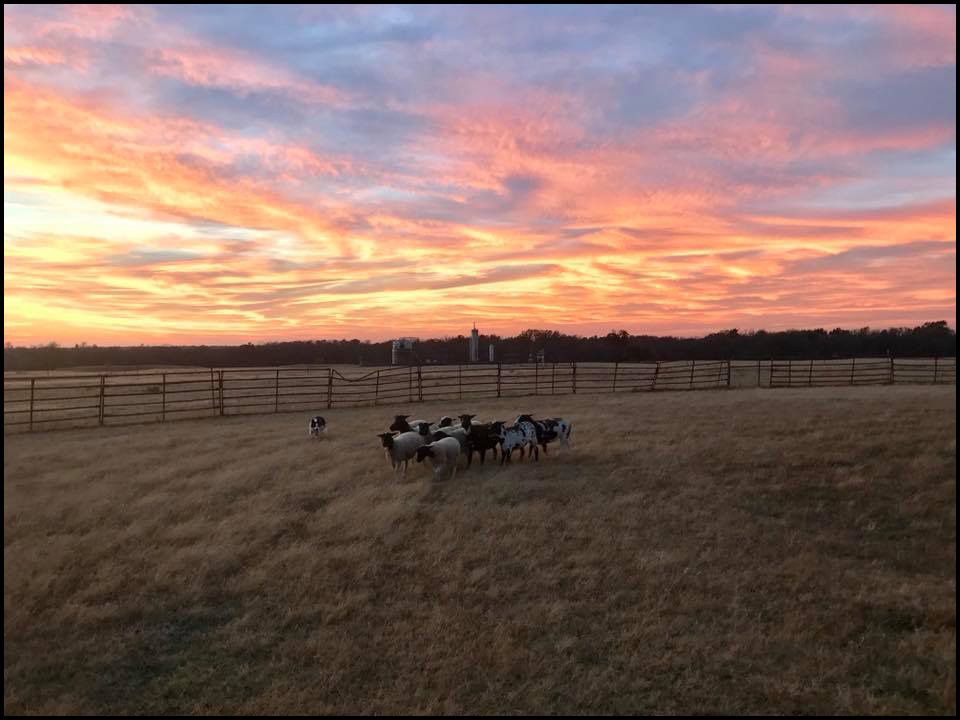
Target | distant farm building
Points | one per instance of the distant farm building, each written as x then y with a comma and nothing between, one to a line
402,351
474,345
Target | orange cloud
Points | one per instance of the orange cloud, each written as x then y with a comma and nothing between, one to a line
522,200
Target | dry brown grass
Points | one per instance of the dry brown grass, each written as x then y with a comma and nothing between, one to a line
787,551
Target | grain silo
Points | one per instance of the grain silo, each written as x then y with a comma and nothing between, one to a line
402,351
474,345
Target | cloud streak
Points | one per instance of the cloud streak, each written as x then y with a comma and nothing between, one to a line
170,175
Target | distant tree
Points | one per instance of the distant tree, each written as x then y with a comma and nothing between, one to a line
928,339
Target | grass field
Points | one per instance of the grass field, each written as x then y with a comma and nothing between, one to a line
787,551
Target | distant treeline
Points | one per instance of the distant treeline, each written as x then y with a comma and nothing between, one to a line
928,340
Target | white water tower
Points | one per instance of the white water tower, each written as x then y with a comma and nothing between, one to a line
402,351
474,345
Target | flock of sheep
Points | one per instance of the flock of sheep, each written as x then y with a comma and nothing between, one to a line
445,441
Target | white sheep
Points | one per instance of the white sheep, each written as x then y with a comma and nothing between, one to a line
401,424
457,432
445,423
401,448
443,454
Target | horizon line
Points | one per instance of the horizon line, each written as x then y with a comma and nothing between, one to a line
740,331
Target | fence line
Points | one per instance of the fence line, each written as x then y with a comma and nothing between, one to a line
862,371
111,399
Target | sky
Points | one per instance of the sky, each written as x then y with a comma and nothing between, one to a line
220,174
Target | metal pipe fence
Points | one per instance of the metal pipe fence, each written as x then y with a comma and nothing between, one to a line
56,401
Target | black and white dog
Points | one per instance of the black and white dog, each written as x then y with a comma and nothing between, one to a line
317,426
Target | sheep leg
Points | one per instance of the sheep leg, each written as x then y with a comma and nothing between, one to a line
454,473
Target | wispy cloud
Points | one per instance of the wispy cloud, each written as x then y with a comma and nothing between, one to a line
185,174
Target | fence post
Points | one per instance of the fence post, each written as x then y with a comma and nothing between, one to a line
103,379
459,382
499,371
693,365
376,390
853,367
574,378
419,383
770,378
810,378
935,369
213,401
616,366
656,371
221,392
789,373
409,383
891,369
536,379
276,393
329,388
758,373
729,373
33,382
163,406
553,380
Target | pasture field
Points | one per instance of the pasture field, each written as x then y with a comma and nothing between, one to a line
788,551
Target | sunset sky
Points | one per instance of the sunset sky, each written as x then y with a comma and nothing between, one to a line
223,175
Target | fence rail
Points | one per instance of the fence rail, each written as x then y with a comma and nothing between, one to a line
52,401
